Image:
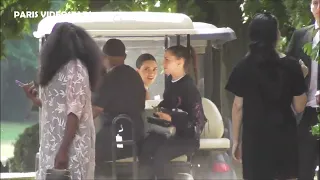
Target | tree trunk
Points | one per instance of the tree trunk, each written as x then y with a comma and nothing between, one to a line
225,14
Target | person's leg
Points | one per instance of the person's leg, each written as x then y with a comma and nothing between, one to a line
171,149
308,146
147,150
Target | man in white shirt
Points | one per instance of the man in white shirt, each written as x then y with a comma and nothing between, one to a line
308,145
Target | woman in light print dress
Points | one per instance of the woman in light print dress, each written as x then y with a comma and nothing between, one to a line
70,62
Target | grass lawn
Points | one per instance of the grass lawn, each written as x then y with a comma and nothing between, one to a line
9,134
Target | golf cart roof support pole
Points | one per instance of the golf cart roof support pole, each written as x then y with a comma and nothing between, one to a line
178,40
188,41
189,48
216,79
166,44
208,73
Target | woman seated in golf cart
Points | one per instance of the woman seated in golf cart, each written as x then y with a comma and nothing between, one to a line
147,68
181,94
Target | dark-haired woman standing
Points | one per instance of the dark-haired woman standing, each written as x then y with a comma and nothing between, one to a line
70,62
265,85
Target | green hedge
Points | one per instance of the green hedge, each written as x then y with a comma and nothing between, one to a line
25,149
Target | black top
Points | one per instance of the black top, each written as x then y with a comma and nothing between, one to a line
121,91
269,137
184,95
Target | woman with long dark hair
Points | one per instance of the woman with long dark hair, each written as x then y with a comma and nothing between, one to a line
70,65
265,86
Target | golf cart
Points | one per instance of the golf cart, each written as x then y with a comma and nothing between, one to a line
152,32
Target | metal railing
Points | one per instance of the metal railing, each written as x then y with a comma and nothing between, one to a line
131,142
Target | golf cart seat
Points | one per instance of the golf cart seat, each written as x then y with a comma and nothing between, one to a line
211,136
183,158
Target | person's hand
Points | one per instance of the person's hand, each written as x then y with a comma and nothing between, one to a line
164,116
236,152
61,160
30,90
304,68
318,97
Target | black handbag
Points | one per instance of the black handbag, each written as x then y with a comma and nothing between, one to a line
158,121
58,174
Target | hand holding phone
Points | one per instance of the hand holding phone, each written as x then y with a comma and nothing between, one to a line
20,83
28,88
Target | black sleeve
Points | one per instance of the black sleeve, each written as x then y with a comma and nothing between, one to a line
161,104
291,49
237,81
102,96
195,112
298,82
142,91
164,104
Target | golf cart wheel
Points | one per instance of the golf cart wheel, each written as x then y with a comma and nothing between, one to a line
183,176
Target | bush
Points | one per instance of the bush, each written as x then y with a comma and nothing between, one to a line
25,150
3,168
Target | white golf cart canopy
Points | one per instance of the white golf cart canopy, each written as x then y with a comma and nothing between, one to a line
138,24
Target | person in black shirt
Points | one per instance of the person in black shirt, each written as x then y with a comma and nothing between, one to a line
121,92
181,93
265,86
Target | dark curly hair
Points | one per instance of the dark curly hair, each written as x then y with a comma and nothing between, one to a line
65,43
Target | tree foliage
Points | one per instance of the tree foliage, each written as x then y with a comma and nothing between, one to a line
25,150
291,14
188,7
16,28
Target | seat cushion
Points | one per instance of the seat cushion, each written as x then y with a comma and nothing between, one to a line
214,144
214,128
205,144
178,159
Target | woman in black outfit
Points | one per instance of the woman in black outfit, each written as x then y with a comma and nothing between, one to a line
265,86
181,93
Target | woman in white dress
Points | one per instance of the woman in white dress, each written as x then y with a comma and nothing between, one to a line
70,66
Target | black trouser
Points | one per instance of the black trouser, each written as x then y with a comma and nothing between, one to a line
308,145
156,153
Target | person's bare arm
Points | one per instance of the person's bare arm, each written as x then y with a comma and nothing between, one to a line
147,95
299,102
37,102
237,117
32,93
96,111
70,131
